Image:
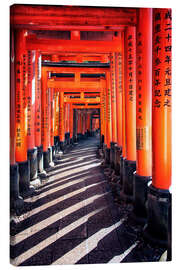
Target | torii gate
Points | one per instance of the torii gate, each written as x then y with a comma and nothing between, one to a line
79,84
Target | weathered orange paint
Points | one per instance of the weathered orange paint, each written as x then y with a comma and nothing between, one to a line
113,97
161,101
130,92
144,92
21,96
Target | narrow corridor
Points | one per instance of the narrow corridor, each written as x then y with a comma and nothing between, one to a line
73,219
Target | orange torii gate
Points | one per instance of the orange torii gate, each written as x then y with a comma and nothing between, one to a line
78,83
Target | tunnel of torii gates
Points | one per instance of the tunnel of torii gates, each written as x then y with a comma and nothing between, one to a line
73,73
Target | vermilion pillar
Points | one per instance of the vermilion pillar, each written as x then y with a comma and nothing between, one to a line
123,157
108,119
113,108
21,110
31,116
61,121
78,123
52,116
118,147
143,111
119,70
15,200
75,123
37,124
102,118
159,197
38,99
56,127
45,135
130,111
105,119
68,123
71,123
88,122
51,125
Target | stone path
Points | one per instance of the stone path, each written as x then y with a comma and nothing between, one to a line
73,219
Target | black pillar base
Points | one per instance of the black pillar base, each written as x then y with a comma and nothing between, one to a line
158,217
62,146
112,154
67,138
53,152
48,162
24,179
121,169
32,157
127,188
16,201
101,141
56,143
118,152
107,156
140,189
75,138
40,162
46,159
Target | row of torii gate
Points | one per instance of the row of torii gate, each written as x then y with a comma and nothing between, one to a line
108,68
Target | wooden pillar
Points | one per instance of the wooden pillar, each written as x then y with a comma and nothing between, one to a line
159,196
31,113
21,111
130,111
56,128
45,135
108,119
61,120
15,200
113,109
143,112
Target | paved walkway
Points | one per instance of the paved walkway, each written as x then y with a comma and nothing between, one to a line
72,218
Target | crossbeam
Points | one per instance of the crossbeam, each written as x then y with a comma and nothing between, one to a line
56,45
71,17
